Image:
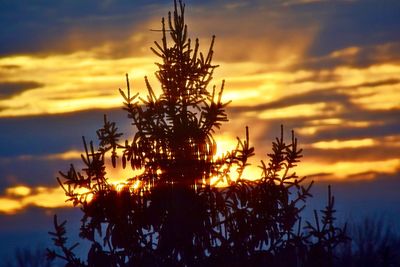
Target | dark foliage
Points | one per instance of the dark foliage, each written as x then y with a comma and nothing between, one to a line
172,214
27,258
375,243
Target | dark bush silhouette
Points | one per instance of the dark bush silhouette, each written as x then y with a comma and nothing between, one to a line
25,257
172,214
375,243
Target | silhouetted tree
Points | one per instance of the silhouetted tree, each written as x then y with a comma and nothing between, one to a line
172,214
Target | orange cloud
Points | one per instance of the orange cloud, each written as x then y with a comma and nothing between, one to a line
20,197
72,82
261,64
342,170
338,144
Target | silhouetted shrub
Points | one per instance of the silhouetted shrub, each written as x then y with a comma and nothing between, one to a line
374,244
172,214
25,257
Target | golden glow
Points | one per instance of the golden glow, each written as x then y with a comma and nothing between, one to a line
68,155
9,206
393,140
46,197
371,97
19,190
302,110
119,186
344,169
337,144
119,177
72,82
332,124
250,84
225,143
387,97
82,81
85,194
17,198
263,79
311,130
330,121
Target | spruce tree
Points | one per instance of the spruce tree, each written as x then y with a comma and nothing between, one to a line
172,213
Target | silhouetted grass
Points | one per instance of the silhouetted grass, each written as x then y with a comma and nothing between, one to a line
375,243
27,257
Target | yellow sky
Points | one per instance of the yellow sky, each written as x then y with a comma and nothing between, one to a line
83,82
80,82
263,86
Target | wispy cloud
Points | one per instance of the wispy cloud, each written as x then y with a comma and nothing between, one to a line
20,197
9,89
69,82
328,69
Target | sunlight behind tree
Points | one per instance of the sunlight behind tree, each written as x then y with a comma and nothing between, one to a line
183,202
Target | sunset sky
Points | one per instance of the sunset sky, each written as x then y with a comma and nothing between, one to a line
329,70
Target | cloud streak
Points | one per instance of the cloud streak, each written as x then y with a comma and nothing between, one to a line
20,197
325,69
